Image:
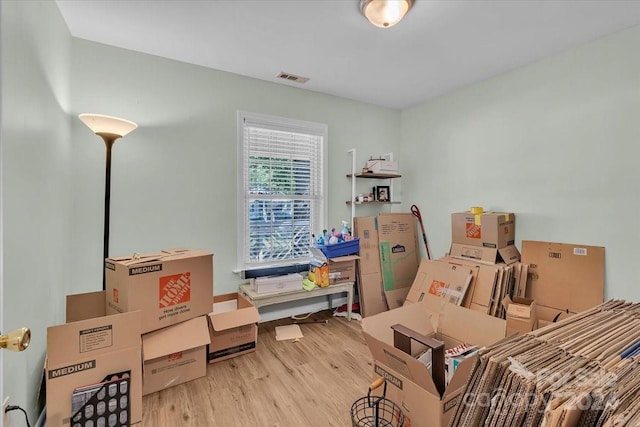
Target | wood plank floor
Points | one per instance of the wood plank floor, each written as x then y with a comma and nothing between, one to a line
309,383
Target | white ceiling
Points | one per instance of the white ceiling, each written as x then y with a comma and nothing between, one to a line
438,47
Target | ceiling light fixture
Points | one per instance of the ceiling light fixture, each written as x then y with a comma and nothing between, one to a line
385,13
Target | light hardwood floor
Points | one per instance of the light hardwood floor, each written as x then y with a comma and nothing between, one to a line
309,383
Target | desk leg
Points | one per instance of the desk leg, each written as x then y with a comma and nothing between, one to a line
349,302
330,302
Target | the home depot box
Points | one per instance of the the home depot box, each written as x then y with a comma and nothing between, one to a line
399,254
487,229
89,349
233,327
563,278
175,354
169,287
426,402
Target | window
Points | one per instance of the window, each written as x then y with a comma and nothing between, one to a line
281,189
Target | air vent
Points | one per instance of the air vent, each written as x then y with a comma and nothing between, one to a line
293,77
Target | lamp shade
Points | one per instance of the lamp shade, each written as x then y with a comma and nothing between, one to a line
99,123
385,13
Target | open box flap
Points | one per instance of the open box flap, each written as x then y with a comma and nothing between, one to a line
164,255
86,306
244,313
468,326
92,337
402,363
172,339
412,316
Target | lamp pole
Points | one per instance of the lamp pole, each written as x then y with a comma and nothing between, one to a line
109,140
109,128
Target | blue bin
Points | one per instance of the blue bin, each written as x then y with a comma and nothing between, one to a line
341,249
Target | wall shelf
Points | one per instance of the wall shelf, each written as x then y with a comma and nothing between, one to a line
374,175
354,176
375,202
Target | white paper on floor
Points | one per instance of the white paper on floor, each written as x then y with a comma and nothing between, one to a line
288,332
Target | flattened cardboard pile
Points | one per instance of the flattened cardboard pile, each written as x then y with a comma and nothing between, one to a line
490,284
579,372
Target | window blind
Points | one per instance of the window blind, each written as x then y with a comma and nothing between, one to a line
282,189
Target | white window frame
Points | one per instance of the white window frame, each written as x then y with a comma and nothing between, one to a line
317,221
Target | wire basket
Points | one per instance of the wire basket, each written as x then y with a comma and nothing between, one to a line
376,411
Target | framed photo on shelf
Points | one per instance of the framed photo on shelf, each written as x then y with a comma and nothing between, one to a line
382,193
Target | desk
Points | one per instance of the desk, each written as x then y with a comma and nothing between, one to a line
261,300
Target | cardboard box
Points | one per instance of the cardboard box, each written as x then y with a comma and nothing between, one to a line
563,278
233,328
506,255
283,283
446,281
399,253
175,354
488,230
325,271
382,166
521,315
369,277
169,287
409,384
342,269
88,349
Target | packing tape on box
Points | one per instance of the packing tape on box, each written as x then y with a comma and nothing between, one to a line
477,211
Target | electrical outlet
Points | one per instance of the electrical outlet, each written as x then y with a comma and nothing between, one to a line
6,416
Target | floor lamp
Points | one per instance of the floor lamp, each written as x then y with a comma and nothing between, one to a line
110,129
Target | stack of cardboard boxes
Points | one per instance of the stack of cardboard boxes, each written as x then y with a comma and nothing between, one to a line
485,242
156,325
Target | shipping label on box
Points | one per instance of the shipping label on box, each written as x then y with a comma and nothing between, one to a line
233,327
175,354
489,229
90,353
169,287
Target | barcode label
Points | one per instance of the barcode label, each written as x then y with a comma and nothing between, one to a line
580,251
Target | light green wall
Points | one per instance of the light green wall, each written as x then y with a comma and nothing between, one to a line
556,142
35,55
174,178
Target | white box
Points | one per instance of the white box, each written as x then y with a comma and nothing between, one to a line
382,166
287,282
